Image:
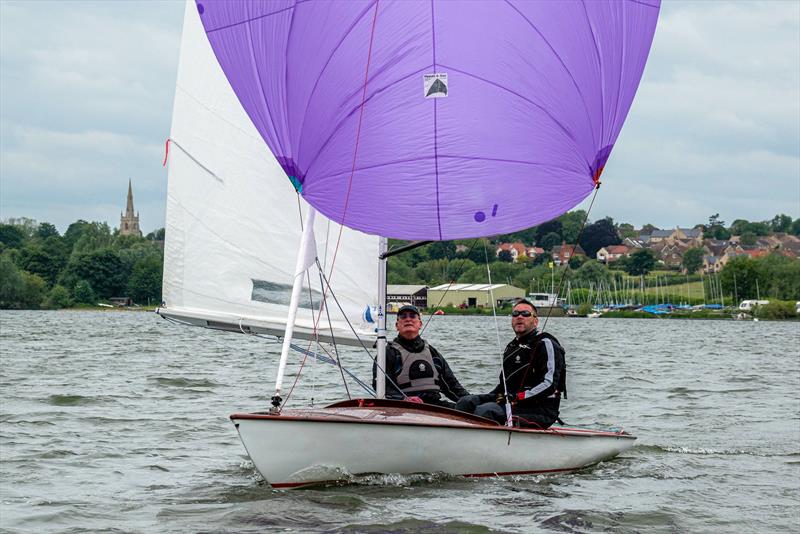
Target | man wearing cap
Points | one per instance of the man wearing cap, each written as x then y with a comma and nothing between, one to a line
416,368
535,376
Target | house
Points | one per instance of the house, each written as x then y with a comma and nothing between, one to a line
612,253
473,295
517,250
399,295
713,264
563,253
632,243
532,252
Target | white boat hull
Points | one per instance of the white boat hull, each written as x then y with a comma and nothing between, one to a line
302,447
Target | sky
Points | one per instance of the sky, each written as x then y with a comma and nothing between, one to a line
86,91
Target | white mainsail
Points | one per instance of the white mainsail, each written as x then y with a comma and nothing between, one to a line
233,223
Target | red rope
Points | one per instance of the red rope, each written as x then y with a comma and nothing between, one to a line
166,153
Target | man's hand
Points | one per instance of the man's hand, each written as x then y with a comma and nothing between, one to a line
414,399
501,399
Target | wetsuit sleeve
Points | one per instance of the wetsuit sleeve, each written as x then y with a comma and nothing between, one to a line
392,357
544,358
450,386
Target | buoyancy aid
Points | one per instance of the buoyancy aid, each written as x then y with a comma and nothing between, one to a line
417,371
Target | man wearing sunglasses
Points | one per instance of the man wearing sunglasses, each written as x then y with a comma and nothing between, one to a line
535,376
415,369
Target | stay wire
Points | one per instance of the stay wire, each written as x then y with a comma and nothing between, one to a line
509,415
577,242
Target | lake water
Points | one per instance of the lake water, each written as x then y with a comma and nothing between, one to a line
119,422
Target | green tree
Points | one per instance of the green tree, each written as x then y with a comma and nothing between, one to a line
45,261
626,230
157,235
693,260
94,236
549,241
46,230
83,293
34,289
144,285
795,230
748,238
442,250
598,235
11,283
571,224
739,277
505,255
575,262
591,272
781,276
102,269
58,298
781,223
11,236
641,262
550,227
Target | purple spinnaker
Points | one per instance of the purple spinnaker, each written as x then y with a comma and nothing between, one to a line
528,104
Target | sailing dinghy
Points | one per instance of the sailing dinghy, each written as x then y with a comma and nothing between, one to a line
412,120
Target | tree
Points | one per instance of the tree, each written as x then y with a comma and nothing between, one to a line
781,223
46,262
549,241
550,227
144,285
739,276
83,293
11,236
648,228
796,227
10,283
439,250
591,272
693,259
505,255
58,298
46,230
641,262
748,238
626,230
157,235
571,224
716,228
598,235
575,262
102,269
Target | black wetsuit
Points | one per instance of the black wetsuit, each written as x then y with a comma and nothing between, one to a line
447,383
533,364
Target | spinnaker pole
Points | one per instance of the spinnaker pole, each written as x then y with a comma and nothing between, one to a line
380,375
305,258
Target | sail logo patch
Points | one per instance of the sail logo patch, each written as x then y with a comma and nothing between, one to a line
435,85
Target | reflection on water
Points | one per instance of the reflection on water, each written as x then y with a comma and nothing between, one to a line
120,421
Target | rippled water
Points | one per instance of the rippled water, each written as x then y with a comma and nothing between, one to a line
119,421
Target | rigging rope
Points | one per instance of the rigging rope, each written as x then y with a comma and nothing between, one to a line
509,418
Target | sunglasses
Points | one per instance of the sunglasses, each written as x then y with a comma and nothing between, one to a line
407,315
524,313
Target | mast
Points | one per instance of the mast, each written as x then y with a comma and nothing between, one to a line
305,256
380,375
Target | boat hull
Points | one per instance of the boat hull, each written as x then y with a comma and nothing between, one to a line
302,447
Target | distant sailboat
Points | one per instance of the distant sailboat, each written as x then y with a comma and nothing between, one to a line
432,110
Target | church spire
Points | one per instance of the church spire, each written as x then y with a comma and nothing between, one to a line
129,209
129,223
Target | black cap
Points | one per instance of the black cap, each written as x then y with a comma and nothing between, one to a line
408,307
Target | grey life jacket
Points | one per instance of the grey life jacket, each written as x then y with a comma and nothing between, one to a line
417,372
